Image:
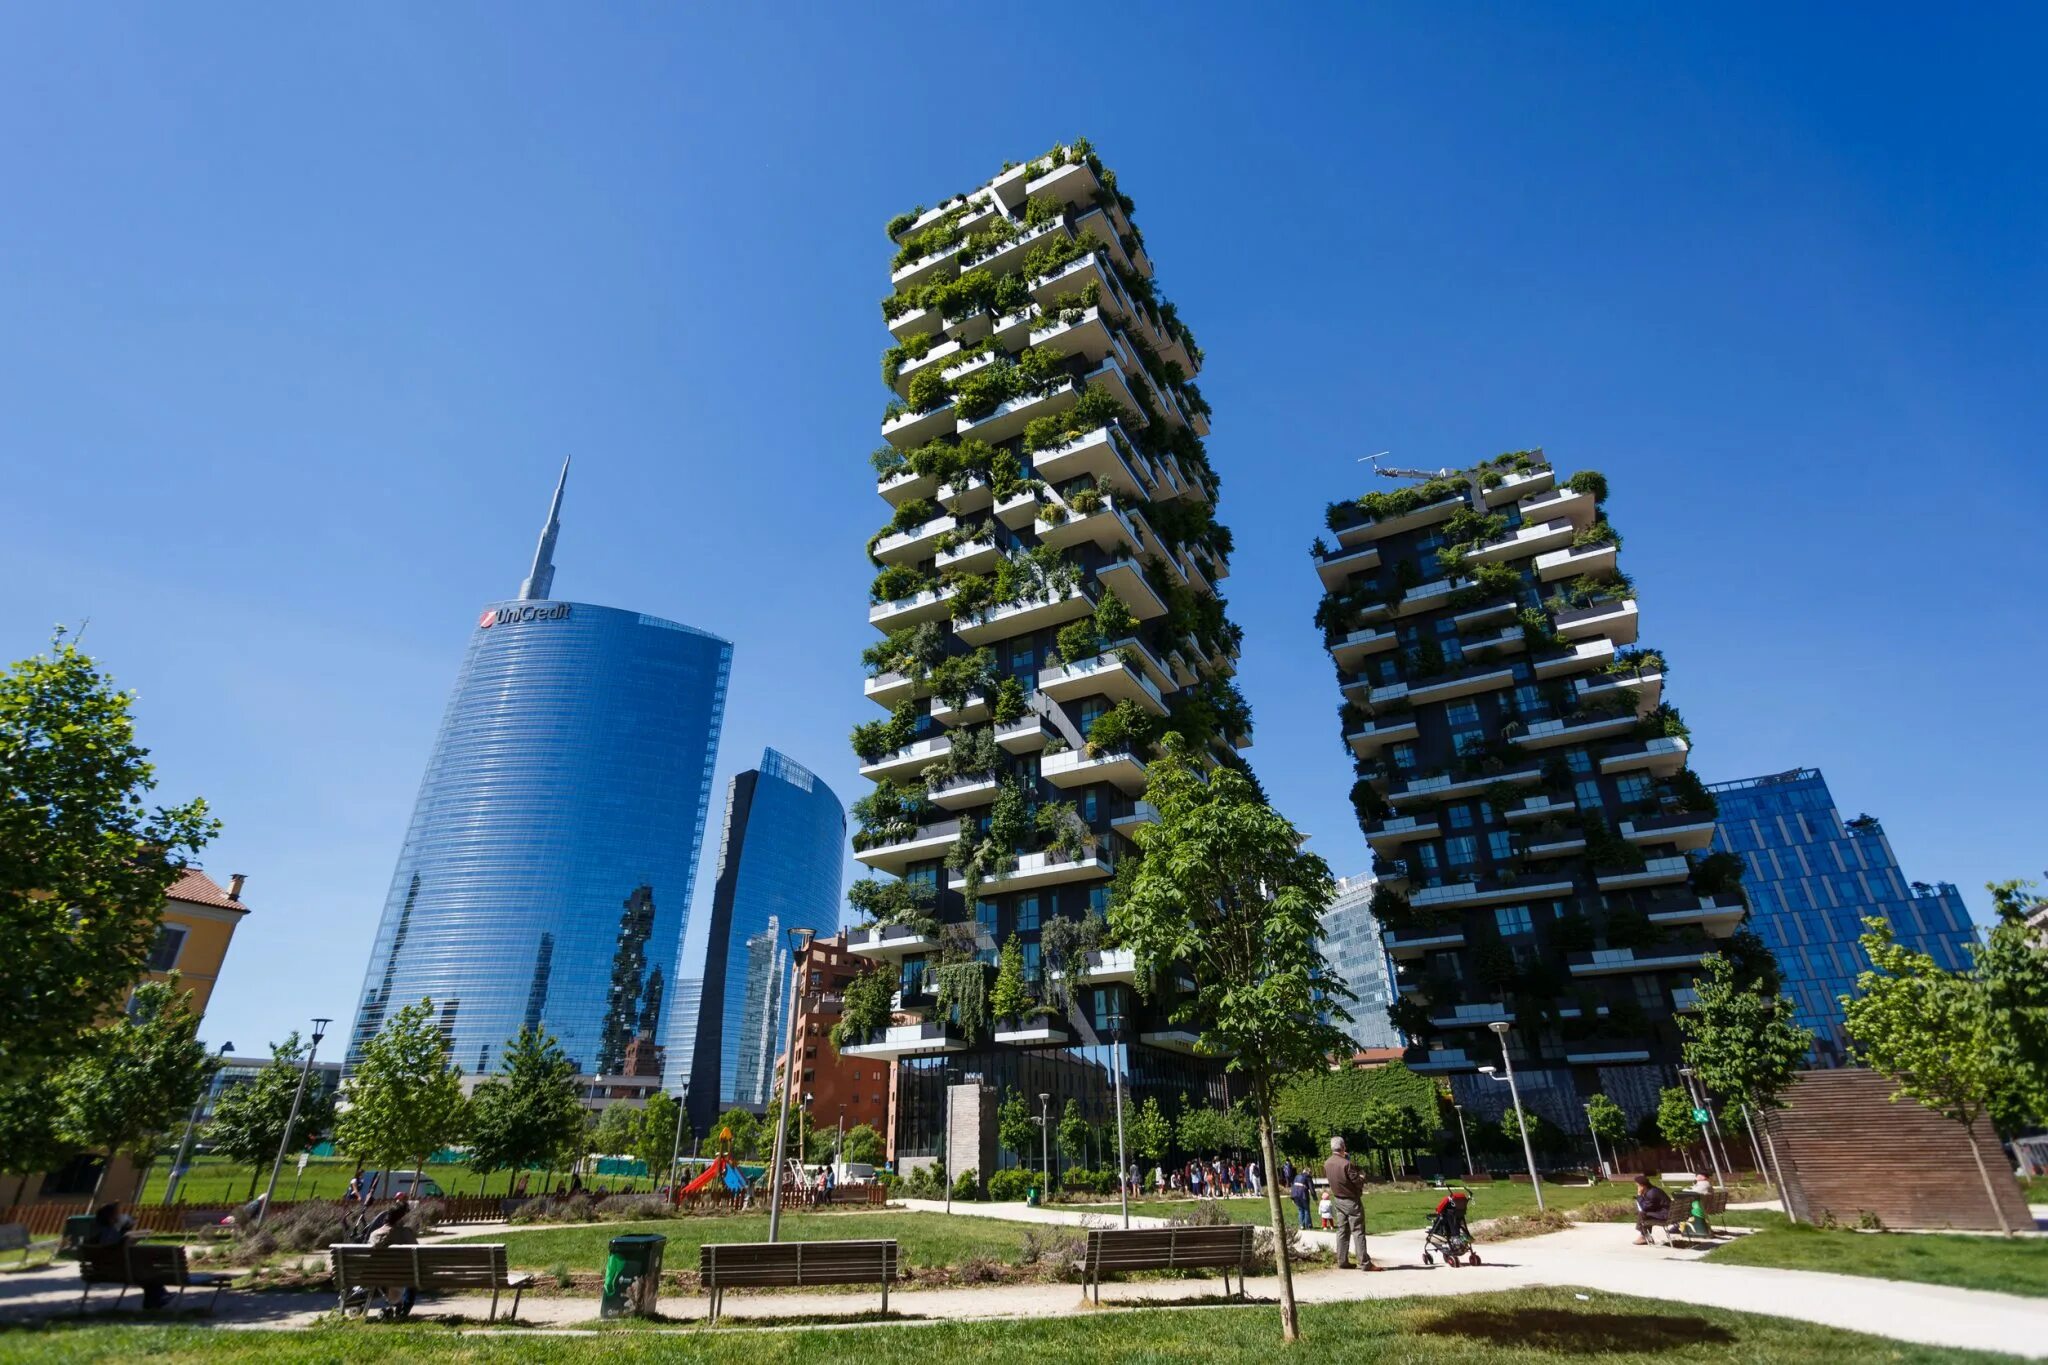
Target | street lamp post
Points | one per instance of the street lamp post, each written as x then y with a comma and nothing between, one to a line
291,1122
799,940
1045,1142
1599,1161
1123,1184
1699,1104
946,1160
185,1144
1500,1030
675,1150
1463,1141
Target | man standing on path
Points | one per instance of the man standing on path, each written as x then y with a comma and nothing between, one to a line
1346,1187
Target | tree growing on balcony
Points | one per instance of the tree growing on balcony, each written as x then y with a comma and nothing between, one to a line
1226,896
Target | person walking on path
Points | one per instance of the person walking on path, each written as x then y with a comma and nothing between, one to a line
1347,1187
1300,1192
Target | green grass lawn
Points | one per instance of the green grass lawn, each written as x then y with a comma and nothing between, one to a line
214,1180
923,1239
2019,1266
1403,1210
2036,1187
1516,1328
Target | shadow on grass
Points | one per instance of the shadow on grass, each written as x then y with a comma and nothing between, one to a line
1577,1333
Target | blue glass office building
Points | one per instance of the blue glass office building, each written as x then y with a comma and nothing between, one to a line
1812,877
547,873
780,864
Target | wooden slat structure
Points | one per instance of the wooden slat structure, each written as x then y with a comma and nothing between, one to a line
793,1265
1111,1250
429,1269
1848,1150
130,1264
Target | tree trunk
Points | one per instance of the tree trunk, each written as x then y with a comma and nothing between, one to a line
255,1174
1771,1145
1290,1315
108,1165
1990,1193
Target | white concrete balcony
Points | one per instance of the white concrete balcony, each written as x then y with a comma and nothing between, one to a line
969,495
1105,675
1614,620
1078,768
1010,417
1138,813
1686,831
1135,651
1582,657
1019,510
939,357
953,374
1108,967
1039,1030
1409,945
1025,735
1565,846
1355,648
1428,597
1444,689
1611,1056
919,542
1654,872
928,842
908,1040
1174,1039
1719,918
1648,687
1094,221
1481,648
1500,606
1013,330
904,485
966,792
1002,257
1088,335
970,327
908,761
1099,453
1477,1015
1595,560
886,689
972,556
1429,514
1549,734
1538,807
1049,868
1462,894
1107,527
1027,617
1126,578
1660,757
1075,277
908,430
1445,1059
942,264
1073,184
974,207
973,709
889,942
1523,542
1625,961
1522,485
933,604
1444,787
1369,739
908,324
1396,830
1561,504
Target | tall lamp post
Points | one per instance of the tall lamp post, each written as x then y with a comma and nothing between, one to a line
1500,1031
1045,1141
185,1144
319,1032
1123,1170
675,1150
1599,1161
799,941
1699,1105
839,1147
1463,1141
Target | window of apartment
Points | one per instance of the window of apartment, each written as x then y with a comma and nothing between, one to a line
1587,793
1462,713
1530,703
1500,845
1426,857
985,917
1387,669
1031,961
170,941
1027,914
1461,850
1513,919
1103,1006
1633,788
1402,756
923,874
1460,816
911,982
1087,806
1649,993
1578,760
1098,900
1022,657
1468,741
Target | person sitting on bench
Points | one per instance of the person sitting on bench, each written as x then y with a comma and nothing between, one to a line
110,1228
1653,1209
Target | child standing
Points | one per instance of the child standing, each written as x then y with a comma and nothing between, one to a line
1324,1209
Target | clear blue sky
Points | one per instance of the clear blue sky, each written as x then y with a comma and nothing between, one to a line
299,313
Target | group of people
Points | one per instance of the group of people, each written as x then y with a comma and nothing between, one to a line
1213,1179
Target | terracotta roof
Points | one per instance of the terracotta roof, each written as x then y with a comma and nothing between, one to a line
197,888
1376,1056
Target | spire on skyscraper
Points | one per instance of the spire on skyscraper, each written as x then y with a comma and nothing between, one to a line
541,581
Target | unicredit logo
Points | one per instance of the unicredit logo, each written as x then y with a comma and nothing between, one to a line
505,616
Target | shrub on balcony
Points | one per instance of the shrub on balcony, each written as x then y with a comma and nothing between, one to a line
1050,256
1687,793
1538,634
973,594
887,461
1052,514
1087,502
1367,803
1378,506
1064,942
1009,703
899,581
877,902
935,236
874,738
1125,727
1589,481
928,390
1572,934
1409,1017
955,679
902,221
889,814
1467,528
864,1007
1638,661
909,650
1663,723
1041,209
1063,831
1608,851
1627,927
1009,998
1077,640
916,346
1599,533
1718,875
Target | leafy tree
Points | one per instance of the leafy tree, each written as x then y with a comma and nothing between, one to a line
29,1137
746,1131
802,1138
1743,1042
1674,1118
1609,1122
1073,1132
864,1145
1205,1132
137,1077
1149,1134
249,1120
1009,999
404,1102
1511,1127
617,1131
528,1114
83,866
1226,896
2013,967
1015,1130
654,1137
1933,1032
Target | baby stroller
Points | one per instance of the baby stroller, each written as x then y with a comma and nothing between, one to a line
1447,1232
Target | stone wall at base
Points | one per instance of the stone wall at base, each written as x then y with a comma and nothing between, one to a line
971,1140
1848,1150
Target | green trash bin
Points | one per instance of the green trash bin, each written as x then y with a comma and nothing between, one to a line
632,1275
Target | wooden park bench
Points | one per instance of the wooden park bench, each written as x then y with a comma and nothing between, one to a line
14,1237
428,1269
1114,1249
793,1265
133,1264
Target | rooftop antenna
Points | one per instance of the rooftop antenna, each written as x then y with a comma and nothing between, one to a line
1444,473
541,581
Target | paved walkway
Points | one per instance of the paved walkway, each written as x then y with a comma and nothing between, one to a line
1597,1258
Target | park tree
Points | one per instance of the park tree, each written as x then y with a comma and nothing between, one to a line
527,1115
249,1119
746,1131
1147,1131
655,1136
84,865
1378,1125
1073,1132
1743,1043
1609,1123
1511,1128
404,1100
1674,1119
2012,965
617,1131
1226,896
863,1146
29,1136
1932,1032
801,1140
1205,1132
137,1077
1015,1129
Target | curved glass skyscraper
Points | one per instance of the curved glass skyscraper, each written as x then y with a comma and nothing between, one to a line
547,873
779,867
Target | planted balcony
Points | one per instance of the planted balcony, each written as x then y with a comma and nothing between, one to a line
891,942
887,689
1647,684
1103,454
1583,657
905,485
1107,675
1493,890
908,1040
916,845
1518,484
1653,872
908,762
1581,509
1089,518
907,429
1172,1038
965,791
1593,560
1126,578
1049,867
1413,944
1036,613
1040,1029
1719,916
1369,737
1395,830
1080,768
1535,538
1447,787
1614,618
1440,1059
1621,961
1377,515
1126,816
1541,806
1660,757
1355,648
1578,729
1687,831
917,542
932,604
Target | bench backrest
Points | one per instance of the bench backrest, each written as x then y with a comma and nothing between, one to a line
13,1236
1168,1248
791,1264
476,1266
133,1263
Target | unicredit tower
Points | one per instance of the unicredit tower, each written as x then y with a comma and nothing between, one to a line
547,872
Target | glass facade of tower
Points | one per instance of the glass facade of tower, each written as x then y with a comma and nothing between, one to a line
547,872
780,864
1352,946
1812,877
